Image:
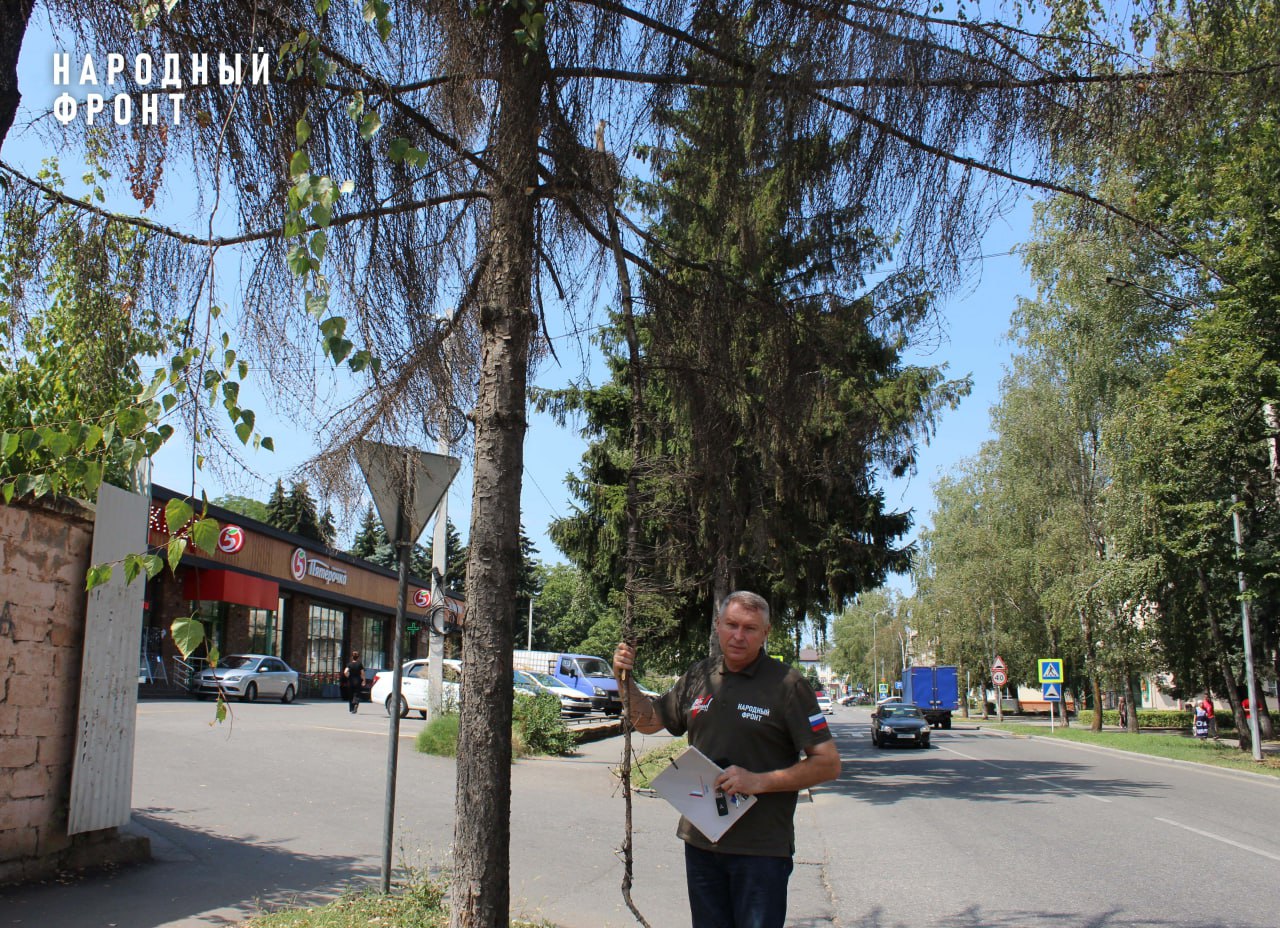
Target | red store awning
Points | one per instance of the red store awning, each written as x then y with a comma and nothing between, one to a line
227,586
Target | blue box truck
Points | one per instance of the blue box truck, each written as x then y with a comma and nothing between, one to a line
935,690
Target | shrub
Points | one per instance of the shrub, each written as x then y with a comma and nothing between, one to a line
1162,718
440,736
537,727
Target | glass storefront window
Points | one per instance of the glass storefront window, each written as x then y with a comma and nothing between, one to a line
373,649
264,632
324,639
213,615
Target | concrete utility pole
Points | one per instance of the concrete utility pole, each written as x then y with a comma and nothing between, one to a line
1255,704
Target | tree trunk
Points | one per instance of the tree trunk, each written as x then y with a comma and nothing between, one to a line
1224,665
480,893
1272,417
14,15
1132,694
721,586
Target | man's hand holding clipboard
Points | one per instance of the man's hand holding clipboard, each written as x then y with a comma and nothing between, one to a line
689,784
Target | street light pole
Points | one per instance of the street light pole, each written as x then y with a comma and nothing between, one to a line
529,643
1254,703
875,656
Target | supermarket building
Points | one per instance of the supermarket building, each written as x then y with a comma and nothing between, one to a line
266,591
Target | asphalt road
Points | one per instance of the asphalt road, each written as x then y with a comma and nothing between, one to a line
284,805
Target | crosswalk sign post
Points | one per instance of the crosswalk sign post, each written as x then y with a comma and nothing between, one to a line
1050,670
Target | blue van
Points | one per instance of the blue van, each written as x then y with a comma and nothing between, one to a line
583,672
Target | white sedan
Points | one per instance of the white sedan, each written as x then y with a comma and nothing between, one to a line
413,688
824,703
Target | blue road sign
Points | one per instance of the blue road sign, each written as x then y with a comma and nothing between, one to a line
1050,670
1051,692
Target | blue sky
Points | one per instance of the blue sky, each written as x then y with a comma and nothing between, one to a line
976,320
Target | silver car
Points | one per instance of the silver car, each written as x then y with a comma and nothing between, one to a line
248,676
572,702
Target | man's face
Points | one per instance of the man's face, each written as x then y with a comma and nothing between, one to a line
742,633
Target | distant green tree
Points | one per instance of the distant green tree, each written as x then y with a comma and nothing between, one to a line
371,542
328,529
278,507
244,505
455,557
302,511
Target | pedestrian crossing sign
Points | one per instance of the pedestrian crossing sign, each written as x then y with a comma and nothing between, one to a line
1050,670
1051,692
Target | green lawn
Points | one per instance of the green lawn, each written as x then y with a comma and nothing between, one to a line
1155,744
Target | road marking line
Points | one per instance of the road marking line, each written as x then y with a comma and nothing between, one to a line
1209,834
1031,776
361,731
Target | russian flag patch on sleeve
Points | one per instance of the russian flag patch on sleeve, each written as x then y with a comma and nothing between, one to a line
818,722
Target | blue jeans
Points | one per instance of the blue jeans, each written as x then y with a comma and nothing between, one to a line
736,890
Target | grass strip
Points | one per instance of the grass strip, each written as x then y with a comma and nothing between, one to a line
1170,746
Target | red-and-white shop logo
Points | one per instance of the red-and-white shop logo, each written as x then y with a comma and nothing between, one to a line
230,539
298,566
422,598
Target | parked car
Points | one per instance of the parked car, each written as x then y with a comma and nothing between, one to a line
413,687
824,703
899,723
572,702
248,676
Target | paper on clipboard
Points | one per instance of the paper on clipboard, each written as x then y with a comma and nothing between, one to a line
687,785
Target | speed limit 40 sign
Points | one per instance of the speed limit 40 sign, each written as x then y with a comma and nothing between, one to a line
999,677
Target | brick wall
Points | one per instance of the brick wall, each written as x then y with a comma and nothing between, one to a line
44,553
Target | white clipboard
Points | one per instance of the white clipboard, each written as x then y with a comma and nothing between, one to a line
687,785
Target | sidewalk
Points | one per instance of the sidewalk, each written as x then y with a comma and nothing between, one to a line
567,825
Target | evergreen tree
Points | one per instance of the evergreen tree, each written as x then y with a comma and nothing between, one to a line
328,530
369,535
302,509
455,556
278,509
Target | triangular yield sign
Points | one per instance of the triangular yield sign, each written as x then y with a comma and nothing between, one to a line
405,481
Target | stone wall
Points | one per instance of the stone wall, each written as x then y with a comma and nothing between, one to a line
44,553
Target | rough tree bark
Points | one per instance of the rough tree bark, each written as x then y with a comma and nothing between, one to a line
481,850
14,15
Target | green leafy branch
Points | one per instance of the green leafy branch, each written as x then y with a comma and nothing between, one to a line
185,530
312,197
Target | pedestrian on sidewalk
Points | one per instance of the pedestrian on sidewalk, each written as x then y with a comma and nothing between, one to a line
1124,712
754,716
1207,705
353,682
1200,725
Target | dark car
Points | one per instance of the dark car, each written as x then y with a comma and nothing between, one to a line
899,723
